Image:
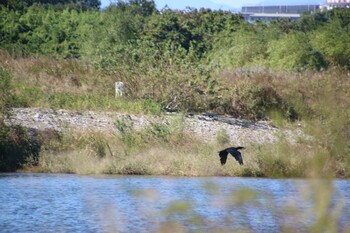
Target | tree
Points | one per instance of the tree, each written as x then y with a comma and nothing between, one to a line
309,22
143,8
245,47
77,4
342,15
333,41
108,38
294,51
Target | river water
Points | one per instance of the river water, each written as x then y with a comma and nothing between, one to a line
31,202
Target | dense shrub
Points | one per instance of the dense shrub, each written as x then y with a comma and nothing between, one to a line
254,101
16,146
243,48
332,41
294,52
6,96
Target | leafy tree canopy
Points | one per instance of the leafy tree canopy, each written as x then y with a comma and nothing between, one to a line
76,4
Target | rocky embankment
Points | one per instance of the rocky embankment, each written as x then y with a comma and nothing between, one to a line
205,126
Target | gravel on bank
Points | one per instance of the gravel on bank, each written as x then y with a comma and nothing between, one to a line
206,126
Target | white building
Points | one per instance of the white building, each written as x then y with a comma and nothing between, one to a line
291,12
330,4
268,13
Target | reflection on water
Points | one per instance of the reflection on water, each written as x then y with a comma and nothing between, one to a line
72,203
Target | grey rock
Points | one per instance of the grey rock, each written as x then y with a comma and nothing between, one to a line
204,126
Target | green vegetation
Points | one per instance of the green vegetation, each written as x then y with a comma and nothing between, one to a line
16,146
59,54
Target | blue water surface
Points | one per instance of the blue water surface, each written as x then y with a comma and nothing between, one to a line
31,202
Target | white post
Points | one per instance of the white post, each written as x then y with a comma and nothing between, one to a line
119,89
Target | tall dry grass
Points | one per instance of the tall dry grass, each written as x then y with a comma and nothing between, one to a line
106,154
169,150
319,101
69,84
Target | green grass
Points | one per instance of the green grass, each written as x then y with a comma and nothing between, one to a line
99,102
31,96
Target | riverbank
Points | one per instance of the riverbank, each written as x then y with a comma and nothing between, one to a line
206,126
106,142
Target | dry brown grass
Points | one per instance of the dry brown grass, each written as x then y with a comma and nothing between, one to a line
52,76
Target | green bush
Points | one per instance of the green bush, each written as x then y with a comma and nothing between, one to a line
254,101
294,52
16,145
332,40
243,48
222,137
6,92
159,131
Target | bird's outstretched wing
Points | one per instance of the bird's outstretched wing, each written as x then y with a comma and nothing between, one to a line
237,155
223,156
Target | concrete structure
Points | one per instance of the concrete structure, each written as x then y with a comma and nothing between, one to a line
119,89
330,4
268,13
292,12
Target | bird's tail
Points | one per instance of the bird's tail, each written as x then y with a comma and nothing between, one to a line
239,147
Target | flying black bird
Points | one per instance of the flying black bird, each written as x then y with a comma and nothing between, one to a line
234,152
